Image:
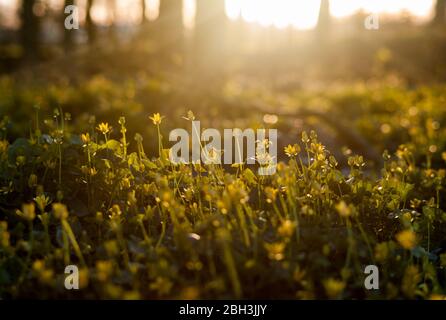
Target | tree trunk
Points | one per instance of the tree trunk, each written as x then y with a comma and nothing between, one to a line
210,28
440,13
89,23
113,16
29,30
143,12
171,17
324,21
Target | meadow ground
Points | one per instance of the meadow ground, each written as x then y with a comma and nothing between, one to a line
86,179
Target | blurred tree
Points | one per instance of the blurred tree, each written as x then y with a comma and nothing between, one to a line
143,12
68,34
440,13
170,19
29,29
89,23
113,17
324,21
210,29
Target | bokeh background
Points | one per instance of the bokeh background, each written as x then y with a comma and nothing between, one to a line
236,63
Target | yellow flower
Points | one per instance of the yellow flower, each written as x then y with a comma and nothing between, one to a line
32,180
333,287
60,211
381,251
38,266
271,194
104,127
93,172
237,192
345,210
104,269
190,293
3,146
410,281
115,211
111,247
407,239
156,118
275,250
131,198
86,137
292,150
20,161
42,201
28,211
287,228
83,278
44,275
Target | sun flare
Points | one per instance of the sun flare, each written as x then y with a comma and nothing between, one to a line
304,14
278,13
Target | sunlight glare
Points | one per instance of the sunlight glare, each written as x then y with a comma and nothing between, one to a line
280,13
304,14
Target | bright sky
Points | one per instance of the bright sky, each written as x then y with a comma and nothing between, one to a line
301,14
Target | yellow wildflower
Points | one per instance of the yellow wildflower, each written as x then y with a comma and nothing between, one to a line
20,161
381,251
275,250
407,239
287,228
86,137
3,146
28,211
292,150
156,118
104,128
32,180
333,287
410,281
271,194
104,270
60,211
42,201
345,210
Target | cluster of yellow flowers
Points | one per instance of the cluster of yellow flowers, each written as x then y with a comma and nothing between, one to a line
141,227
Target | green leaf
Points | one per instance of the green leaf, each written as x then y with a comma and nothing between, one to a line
113,145
20,147
249,176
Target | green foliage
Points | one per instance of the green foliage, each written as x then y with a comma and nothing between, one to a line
141,227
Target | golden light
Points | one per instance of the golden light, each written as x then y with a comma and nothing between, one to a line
278,13
418,8
304,14
300,14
